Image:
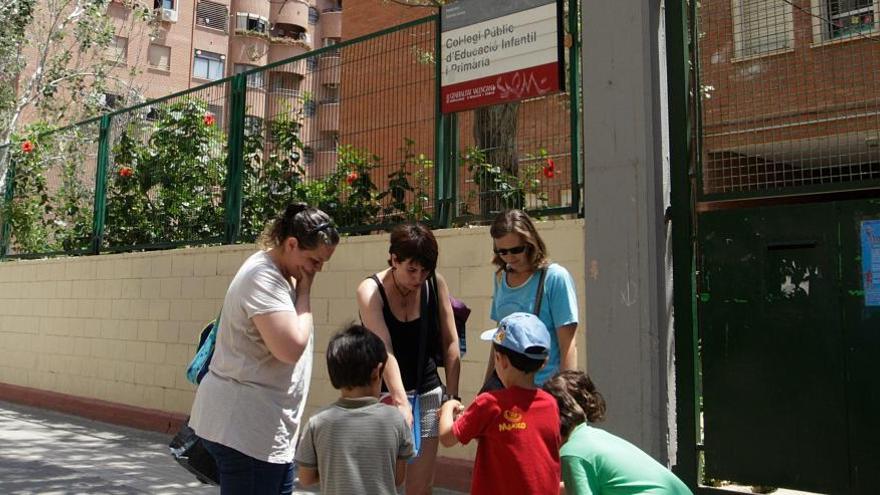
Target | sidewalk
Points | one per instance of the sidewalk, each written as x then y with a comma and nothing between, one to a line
44,452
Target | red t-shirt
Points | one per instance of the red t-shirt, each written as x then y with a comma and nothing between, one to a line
518,431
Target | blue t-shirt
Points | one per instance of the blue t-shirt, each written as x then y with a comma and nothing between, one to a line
558,307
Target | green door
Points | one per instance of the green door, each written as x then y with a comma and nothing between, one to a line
861,325
789,351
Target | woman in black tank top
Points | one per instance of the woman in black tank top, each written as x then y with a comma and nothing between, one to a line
390,304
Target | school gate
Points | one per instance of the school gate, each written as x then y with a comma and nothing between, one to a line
779,379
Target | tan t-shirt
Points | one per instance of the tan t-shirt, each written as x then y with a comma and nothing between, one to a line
249,400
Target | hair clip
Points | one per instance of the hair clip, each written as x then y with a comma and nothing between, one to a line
322,226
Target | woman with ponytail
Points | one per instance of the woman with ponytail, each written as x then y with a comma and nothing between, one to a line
595,462
249,405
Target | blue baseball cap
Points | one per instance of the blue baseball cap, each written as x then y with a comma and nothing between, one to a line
521,331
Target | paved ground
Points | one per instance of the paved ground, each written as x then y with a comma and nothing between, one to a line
43,452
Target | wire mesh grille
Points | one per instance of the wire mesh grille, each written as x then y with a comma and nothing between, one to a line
790,95
53,191
349,130
516,155
167,170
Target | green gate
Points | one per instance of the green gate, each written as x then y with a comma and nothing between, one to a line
790,382
775,149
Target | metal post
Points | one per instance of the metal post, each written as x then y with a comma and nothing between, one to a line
441,155
6,227
678,60
574,92
452,160
103,164
235,158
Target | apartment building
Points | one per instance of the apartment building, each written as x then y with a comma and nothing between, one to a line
200,41
790,93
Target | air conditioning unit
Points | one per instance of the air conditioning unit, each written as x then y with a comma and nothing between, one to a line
167,15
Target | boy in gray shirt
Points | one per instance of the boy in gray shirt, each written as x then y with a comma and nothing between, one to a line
356,445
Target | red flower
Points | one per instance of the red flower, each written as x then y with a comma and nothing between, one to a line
126,172
549,172
209,119
27,146
550,164
351,178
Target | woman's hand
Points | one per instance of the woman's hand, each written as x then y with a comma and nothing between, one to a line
304,282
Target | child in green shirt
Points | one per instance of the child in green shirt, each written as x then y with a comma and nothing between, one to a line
595,462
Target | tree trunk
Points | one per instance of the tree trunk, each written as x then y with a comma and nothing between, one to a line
495,134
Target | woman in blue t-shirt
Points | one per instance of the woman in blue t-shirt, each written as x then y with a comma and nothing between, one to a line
521,256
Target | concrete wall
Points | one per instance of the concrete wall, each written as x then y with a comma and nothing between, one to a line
626,191
122,328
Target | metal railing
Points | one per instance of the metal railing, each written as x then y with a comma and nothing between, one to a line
214,163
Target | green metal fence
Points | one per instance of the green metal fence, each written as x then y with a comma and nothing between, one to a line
352,128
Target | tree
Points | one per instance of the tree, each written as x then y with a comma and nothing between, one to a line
494,133
54,52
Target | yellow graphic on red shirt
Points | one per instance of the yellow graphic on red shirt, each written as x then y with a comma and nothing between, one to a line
514,420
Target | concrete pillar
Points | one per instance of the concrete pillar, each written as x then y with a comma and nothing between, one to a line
628,250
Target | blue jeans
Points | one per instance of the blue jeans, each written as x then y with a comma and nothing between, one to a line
243,475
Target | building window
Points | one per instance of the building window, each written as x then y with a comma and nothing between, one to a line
159,57
333,7
111,101
208,65
846,18
251,23
212,15
117,50
254,80
164,4
313,15
762,26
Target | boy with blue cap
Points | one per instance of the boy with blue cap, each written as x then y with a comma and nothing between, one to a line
518,426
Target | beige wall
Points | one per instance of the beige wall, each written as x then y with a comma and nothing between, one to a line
123,327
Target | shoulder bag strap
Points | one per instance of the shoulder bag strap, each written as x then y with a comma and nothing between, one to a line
539,295
423,334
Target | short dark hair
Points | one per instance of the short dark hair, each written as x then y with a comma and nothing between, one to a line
414,241
352,355
521,361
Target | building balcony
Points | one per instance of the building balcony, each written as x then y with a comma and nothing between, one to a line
329,67
283,51
331,23
258,7
328,117
245,48
290,12
285,101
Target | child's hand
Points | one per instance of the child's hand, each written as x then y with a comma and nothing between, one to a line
457,409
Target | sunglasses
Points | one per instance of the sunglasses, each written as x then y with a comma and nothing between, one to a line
513,250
